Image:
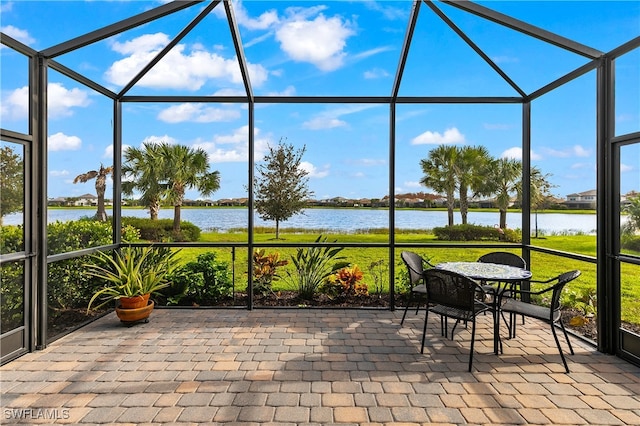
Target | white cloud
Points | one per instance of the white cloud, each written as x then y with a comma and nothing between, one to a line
581,166
320,41
313,171
144,43
181,68
389,12
108,151
515,153
450,136
375,73
15,106
369,162
234,147
197,113
160,139
625,168
62,142
412,184
264,21
323,122
331,118
20,35
574,151
58,173
580,151
288,91
504,59
61,100
371,52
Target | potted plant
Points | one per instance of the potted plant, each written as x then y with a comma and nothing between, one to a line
133,274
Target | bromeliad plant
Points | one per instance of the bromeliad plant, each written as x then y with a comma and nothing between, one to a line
131,271
312,265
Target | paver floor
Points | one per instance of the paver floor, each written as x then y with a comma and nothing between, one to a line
312,366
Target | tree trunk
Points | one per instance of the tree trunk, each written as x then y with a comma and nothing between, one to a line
503,219
154,208
464,206
277,229
101,214
176,218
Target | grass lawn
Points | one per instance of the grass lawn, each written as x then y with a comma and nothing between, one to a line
580,293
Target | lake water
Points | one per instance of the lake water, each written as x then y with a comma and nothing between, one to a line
344,220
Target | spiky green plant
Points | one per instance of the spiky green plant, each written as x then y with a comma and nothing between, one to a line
312,265
131,271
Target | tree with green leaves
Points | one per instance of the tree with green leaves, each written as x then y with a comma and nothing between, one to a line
11,182
185,168
632,209
439,170
539,192
142,172
503,180
471,167
280,186
101,184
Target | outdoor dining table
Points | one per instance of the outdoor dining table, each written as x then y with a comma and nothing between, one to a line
503,276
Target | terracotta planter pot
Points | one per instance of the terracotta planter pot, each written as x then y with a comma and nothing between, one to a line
135,314
134,302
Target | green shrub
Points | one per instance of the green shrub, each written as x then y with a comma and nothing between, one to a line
11,239
203,282
470,232
631,242
162,229
313,265
12,295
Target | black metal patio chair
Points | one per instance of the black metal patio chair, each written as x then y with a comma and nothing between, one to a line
504,258
455,296
550,314
416,265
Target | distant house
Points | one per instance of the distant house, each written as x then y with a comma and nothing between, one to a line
85,200
582,200
57,202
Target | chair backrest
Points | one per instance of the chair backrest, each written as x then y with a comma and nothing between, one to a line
451,289
414,263
504,258
562,280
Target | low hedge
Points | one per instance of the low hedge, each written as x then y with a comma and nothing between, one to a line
470,232
162,229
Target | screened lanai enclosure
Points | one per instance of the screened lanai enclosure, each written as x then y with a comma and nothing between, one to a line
368,92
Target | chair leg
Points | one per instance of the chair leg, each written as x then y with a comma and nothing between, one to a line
406,308
566,336
424,330
473,338
555,336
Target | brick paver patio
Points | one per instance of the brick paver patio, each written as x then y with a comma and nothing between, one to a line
300,366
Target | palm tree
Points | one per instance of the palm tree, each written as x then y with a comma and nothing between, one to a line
539,192
186,168
504,177
143,172
440,174
101,183
470,169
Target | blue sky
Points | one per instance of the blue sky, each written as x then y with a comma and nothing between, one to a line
339,48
